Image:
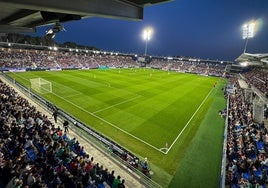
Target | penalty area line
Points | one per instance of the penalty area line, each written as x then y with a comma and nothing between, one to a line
188,122
108,123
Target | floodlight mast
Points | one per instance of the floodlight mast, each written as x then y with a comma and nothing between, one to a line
147,35
248,32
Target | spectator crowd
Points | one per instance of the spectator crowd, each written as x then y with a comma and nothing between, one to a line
36,153
46,59
259,79
247,144
212,69
28,58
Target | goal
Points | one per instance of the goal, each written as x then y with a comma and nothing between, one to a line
41,85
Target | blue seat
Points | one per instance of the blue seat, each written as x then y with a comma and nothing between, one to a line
260,145
246,175
239,127
265,168
31,154
257,173
253,156
39,147
65,137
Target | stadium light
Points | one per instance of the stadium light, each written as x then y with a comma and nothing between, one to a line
147,35
248,32
51,33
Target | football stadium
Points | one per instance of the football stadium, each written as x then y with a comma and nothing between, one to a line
83,117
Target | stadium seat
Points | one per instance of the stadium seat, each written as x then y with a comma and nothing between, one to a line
260,146
246,175
257,173
31,154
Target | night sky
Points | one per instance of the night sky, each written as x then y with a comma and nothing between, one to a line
196,28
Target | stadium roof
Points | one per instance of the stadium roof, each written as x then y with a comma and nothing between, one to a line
18,16
253,59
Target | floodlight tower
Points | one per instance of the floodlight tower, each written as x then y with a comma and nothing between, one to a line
147,35
248,32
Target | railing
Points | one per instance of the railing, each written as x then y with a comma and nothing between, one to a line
90,135
256,90
223,163
145,180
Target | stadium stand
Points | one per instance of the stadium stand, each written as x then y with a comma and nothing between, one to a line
247,142
36,153
259,79
204,68
12,58
48,59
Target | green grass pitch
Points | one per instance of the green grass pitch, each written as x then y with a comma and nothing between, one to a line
141,109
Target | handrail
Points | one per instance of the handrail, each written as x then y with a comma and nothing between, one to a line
224,148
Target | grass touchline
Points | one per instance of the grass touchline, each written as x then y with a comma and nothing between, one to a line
108,122
103,119
189,121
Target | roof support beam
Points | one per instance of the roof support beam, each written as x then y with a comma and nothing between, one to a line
15,29
18,15
85,8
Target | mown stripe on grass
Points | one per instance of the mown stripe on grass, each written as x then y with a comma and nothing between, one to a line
201,164
131,99
188,122
105,121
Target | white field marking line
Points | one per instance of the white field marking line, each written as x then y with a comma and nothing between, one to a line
108,123
103,109
58,85
188,122
53,83
163,149
20,77
73,95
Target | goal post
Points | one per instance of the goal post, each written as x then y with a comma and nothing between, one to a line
41,85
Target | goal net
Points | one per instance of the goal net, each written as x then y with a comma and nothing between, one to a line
41,85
